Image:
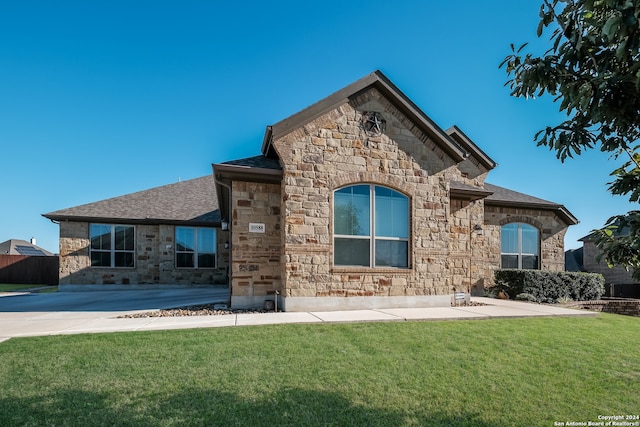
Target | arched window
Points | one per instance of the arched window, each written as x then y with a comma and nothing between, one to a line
355,241
520,246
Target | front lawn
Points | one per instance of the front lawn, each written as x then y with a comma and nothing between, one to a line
512,372
4,287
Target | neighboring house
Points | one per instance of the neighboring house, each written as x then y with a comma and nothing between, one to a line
23,262
22,247
574,260
358,201
619,280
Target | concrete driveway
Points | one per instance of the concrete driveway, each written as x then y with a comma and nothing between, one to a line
110,301
24,315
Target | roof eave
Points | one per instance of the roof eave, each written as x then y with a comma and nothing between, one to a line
469,194
266,140
254,174
378,80
132,221
568,217
560,210
224,174
410,109
466,142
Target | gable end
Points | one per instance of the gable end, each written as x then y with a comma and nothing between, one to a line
380,82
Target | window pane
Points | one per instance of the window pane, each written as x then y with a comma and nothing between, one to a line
351,252
206,261
100,259
206,240
509,261
185,239
124,259
100,236
124,239
392,253
392,213
184,259
529,239
509,236
351,211
530,262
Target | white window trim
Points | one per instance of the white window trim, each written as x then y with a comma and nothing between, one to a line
372,236
195,251
113,250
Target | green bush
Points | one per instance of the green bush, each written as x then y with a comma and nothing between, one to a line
550,286
526,297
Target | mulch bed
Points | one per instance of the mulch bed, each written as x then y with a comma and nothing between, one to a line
193,310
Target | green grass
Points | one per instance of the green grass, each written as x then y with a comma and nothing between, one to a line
462,373
11,288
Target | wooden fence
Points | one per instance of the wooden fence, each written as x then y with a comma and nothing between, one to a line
22,269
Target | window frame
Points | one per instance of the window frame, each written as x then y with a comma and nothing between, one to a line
112,251
372,237
520,254
196,253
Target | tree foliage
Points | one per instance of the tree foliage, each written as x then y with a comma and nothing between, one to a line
592,69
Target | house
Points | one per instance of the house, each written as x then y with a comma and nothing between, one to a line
22,247
358,201
619,281
23,262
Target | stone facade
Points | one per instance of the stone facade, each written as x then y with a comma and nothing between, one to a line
280,210
334,151
154,259
256,265
468,260
551,229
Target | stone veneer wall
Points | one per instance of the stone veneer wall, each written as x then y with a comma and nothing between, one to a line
333,151
154,259
468,258
552,230
256,266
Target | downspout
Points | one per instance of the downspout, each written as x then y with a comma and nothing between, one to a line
228,187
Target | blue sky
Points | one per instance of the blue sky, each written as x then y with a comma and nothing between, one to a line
103,98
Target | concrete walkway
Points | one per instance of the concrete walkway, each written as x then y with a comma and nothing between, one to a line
24,323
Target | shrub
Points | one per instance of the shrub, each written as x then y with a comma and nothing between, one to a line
550,286
490,292
526,297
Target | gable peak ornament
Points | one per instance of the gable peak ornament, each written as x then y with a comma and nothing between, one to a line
373,123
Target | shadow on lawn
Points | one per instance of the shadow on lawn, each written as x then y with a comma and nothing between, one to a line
293,407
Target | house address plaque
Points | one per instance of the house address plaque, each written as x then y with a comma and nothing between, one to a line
255,227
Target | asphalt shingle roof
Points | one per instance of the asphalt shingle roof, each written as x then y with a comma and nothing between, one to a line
192,201
501,194
261,162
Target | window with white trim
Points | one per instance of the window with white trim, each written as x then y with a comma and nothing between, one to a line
370,227
195,247
520,246
112,245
